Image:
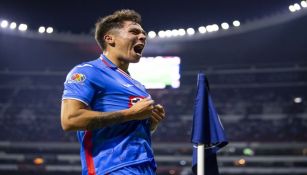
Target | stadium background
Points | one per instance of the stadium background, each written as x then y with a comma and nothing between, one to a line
257,73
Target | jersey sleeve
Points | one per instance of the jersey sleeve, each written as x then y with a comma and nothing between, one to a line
78,85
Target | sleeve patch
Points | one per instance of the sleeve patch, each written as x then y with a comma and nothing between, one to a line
76,78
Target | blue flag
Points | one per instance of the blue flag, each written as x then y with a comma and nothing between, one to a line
207,128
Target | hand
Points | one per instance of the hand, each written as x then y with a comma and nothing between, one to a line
157,115
142,109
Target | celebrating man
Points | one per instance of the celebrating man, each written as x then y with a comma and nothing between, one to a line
112,113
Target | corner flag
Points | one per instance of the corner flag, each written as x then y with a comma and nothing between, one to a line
207,131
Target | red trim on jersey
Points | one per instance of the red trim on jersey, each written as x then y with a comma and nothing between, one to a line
124,73
118,69
134,97
88,147
105,62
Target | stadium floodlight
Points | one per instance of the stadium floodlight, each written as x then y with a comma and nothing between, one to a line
236,23
292,8
152,34
225,25
175,32
49,30
304,4
181,32
298,100
202,29
13,25
183,162
190,31
297,6
210,28
161,34
41,29
168,33
4,23
22,27
215,27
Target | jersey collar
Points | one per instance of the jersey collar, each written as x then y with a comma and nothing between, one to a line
107,62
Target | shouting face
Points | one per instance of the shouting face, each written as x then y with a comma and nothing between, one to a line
129,41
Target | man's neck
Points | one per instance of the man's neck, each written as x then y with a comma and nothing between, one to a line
116,60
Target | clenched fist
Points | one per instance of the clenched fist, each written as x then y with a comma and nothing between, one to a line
142,109
157,114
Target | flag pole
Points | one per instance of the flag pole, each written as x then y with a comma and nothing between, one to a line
207,129
200,159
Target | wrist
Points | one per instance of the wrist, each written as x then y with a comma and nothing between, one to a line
127,115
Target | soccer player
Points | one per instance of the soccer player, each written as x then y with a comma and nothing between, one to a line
112,113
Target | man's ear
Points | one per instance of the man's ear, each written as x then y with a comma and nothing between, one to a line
109,39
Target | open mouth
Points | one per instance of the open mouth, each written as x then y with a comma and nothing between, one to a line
138,49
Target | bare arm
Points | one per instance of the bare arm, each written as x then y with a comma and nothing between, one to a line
75,115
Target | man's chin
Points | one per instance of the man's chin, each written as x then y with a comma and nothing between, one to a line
136,58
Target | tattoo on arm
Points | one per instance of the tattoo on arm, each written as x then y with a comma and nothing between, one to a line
105,119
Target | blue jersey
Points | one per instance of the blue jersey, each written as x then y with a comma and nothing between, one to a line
104,87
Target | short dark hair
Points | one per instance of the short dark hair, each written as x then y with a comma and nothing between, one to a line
105,24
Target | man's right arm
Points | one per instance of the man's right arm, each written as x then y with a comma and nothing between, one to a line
75,115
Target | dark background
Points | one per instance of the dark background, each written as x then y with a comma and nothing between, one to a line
256,72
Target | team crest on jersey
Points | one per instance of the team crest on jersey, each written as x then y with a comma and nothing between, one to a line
77,78
134,99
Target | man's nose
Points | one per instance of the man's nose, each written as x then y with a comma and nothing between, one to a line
142,37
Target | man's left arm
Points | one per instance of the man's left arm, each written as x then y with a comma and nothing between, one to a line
157,115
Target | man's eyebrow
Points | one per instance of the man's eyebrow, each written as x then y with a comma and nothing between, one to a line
144,32
140,30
